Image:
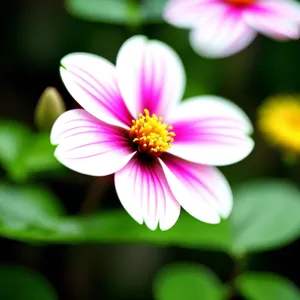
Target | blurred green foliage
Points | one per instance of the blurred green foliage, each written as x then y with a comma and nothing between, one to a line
187,281
266,212
265,215
18,283
24,153
26,208
190,281
128,12
265,286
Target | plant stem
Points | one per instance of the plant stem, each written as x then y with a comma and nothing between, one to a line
95,193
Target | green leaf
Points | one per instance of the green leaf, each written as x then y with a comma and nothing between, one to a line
99,10
265,215
27,207
187,281
39,157
118,227
24,153
152,10
14,138
19,283
265,286
117,11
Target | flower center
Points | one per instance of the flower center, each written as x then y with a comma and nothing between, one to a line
150,135
240,2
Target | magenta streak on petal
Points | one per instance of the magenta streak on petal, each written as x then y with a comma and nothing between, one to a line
204,120
152,183
142,86
206,126
207,135
146,84
235,15
156,183
113,101
92,143
135,174
97,130
258,9
144,187
210,141
207,129
161,177
161,86
98,83
94,122
112,110
89,144
87,82
191,179
80,127
151,84
158,82
150,97
164,195
91,155
72,129
97,95
188,131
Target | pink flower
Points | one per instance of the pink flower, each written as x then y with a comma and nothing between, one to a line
221,28
157,167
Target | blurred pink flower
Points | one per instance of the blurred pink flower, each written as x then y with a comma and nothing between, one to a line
158,168
221,28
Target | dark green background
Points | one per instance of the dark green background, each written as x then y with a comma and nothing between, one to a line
35,35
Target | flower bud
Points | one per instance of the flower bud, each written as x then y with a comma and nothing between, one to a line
49,107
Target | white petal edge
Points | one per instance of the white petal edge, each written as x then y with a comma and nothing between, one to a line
186,13
212,131
89,146
91,80
150,75
221,35
207,106
273,25
201,190
145,194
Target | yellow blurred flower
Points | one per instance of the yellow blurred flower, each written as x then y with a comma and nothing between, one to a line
279,121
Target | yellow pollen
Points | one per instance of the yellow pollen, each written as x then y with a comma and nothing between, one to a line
279,121
150,134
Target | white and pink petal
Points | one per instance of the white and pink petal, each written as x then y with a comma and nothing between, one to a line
275,19
287,9
211,130
201,190
221,33
187,13
144,193
150,76
89,146
91,80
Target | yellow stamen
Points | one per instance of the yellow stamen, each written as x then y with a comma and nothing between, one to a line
279,121
150,135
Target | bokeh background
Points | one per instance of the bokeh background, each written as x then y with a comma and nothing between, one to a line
117,260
